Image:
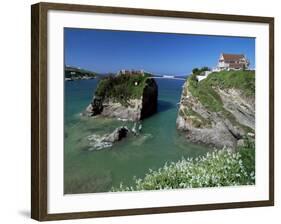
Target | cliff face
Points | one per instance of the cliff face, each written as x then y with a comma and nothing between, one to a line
131,97
220,110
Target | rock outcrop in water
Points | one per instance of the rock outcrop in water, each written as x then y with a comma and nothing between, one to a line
125,96
98,142
220,110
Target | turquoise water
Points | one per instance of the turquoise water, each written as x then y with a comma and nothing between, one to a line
98,171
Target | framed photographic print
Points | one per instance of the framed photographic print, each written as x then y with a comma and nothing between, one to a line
139,111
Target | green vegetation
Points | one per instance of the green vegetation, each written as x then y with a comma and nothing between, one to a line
243,80
205,93
219,168
197,120
248,154
123,87
205,89
199,70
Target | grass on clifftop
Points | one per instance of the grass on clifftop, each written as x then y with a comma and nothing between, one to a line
243,80
205,92
122,87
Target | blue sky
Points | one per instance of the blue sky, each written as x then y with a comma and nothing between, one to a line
161,53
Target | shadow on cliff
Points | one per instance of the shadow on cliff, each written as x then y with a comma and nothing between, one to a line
164,105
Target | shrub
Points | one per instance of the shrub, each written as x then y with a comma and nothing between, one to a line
122,87
195,70
248,154
219,168
205,68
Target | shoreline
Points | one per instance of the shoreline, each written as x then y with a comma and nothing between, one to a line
80,78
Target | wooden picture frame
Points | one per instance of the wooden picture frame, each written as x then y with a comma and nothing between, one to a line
39,109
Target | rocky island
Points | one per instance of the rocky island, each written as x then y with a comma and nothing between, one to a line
220,110
129,95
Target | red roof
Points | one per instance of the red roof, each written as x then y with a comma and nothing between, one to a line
232,57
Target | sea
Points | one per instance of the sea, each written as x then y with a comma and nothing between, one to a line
159,142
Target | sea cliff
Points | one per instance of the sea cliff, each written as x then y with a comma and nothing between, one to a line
125,96
220,110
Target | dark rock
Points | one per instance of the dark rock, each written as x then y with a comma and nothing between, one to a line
149,99
94,108
98,142
117,135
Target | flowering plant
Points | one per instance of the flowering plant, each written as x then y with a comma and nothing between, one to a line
218,168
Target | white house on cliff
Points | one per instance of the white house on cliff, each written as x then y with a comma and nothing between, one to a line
227,62
232,62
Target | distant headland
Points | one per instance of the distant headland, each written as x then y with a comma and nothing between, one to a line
72,73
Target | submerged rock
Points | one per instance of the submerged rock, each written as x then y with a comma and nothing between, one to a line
141,139
98,142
